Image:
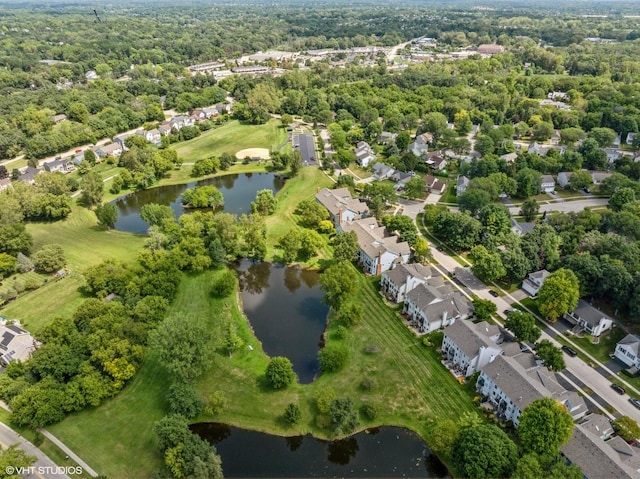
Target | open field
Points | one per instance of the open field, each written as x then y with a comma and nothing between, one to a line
409,379
84,245
230,138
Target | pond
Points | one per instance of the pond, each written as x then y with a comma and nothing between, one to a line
239,191
379,452
284,306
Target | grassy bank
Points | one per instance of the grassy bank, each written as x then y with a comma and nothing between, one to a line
409,385
231,138
84,245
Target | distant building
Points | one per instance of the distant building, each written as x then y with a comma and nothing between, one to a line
435,305
63,166
589,319
434,185
469,347
628,351
462,184
402,279
382,171
364,154
534,282
341,206
16,344
490,49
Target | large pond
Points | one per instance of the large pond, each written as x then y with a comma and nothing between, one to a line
284,306
239,191
380,452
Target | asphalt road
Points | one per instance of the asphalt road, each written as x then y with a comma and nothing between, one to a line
44,468
580,373
304,141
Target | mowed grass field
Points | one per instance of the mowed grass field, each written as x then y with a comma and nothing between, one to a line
231,138
84,245
411,387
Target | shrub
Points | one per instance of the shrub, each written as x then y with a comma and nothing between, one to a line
340,332
333,358
324,397
224,285
280,373
367,384
292,414
217,402
184,400
369,411
49,258
350,314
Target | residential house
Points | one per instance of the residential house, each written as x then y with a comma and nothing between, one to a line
112,149
152,136
180,121
364,154
421,144
547,184
542,150
628,351
563,178
77,159
589,319
120,140
16,344
509,157
434,185
462,184
165,128
382,171
63,166
435,305
435,161
557,95
521,228
555,138
387,138
630,137
598,425
469,347
510,384
91,75
378,250
198,115
401,178
598,459
534,281
490,49
28,175
342,208
617,141
613,154
599,176
210,112
59,118
5,183
402,279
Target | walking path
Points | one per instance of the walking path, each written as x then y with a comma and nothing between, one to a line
87,468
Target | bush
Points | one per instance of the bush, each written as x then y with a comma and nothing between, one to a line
369,411
324,397
350,314
332,358
184,400
292,414
367,384
217,402
343,416
224,285
50,258
340,332
280,373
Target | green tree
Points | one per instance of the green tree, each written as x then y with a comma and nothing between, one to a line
184,400
311,213
485,145
403,225
338,282
545,425
569,136
415,187
233,341
604,136
262,100
580,179
107,214
558,294
542,131
280,373
473,200
484,452
523,326
443,438
333,358
530,209
495,220
12,458
14,239
155,215
621,197
345,246
324,397
225,284
550,355
350,314
292,414
265,203
528,467
92,189
8,264
627,428
90,157
290,244
206,196
310,243
486,265
343,416
458,230
484,308
49,258
528,181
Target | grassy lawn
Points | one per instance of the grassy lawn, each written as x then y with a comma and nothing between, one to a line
231,138
360,172
606,344
295,190
449,194
84,245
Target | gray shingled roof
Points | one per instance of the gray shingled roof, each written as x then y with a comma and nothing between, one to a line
468,337
374,239
588,313
595,457
398,275
597,425
334,200
632,341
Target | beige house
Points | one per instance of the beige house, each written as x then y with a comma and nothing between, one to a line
16,344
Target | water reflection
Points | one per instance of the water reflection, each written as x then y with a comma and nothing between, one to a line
284,306
238,190
385,452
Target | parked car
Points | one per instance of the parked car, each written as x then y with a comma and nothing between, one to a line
617,388
635,402
570,351
493,293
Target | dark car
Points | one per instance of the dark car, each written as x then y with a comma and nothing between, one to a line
635,402
493,293
570,351
617,388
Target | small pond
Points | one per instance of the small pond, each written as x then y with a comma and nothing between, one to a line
380,452
285,309
239,191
